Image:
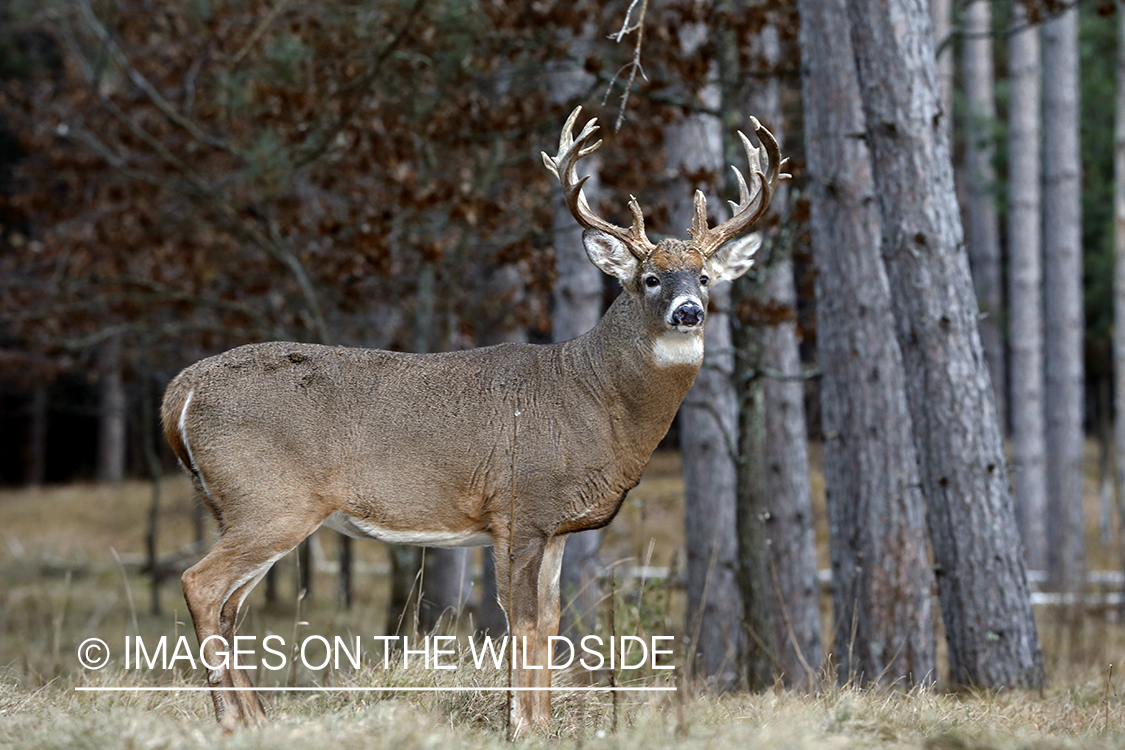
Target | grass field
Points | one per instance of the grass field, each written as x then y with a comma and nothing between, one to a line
68,572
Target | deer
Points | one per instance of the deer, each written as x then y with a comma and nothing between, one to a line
515,445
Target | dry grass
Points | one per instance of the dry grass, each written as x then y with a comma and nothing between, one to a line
60,582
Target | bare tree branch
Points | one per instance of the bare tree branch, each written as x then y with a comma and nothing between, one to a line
634,66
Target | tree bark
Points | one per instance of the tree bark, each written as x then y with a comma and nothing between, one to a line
1119,267
983,227
111,415
155,472
448,586
490,618
1025,295
981,576
708,417
345,586
577,301
776,544
450,571
1062,272
36,461
880,574
941,13
406,562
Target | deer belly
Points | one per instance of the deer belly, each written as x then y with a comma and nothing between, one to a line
359,528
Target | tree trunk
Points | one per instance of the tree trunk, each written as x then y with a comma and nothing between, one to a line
36,461
1119,267
708,417
941,13
1062,273
151,439
448,585
1025,295
577,299
981,576
577,306
490,619
111,415
407,560
345,586
983,228
449,572
776,545
880,574
306,570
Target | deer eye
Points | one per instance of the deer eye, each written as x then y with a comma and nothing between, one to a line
704,280
652,281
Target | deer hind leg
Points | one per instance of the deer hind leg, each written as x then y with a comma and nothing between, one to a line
250,704
215,588
520,601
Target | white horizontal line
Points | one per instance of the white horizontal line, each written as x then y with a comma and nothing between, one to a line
377,689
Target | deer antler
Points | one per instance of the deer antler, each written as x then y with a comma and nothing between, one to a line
563,166
749,207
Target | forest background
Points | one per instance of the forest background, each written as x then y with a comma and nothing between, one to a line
181,178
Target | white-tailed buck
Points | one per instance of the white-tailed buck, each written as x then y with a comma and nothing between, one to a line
515,445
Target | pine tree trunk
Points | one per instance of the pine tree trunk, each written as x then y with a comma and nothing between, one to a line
490,618
1062,274
1025,295
776,544
981,576
35,472
577,306
407,560
983,227
1119,267
941,14
111,415
708,417
345,587
450,571
448,585
880,574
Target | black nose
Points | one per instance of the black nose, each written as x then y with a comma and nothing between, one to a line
687,314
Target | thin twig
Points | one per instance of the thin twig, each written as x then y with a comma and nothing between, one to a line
635,65
143,84
809,673
260,29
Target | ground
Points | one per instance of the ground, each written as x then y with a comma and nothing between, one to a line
70,570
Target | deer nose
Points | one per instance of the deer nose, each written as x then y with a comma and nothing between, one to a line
689,314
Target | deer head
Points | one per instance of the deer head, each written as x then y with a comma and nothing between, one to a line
671,278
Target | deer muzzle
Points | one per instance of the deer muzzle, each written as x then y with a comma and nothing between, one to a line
688,314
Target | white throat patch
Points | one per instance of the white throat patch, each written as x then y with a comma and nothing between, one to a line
674,348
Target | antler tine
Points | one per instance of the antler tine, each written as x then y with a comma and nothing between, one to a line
750,206
564,167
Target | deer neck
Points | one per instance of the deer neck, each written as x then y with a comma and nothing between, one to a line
641,375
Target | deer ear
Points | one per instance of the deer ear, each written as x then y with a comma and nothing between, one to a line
735,257
609,254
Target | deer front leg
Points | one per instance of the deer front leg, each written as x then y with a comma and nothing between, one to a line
517,586
548,626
